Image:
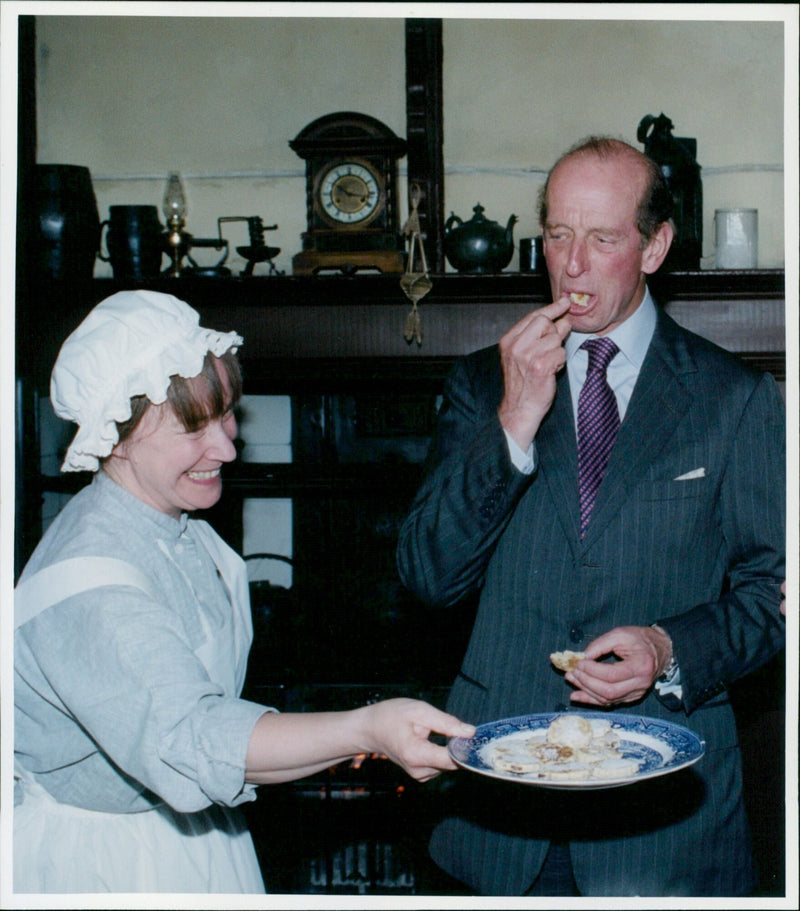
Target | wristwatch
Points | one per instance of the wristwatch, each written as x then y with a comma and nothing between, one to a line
668,687
672,668
670,672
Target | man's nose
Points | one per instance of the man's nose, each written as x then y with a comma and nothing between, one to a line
576,258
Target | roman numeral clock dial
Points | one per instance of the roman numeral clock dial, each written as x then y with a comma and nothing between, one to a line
349,193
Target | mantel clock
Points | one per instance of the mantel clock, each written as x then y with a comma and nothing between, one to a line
351,195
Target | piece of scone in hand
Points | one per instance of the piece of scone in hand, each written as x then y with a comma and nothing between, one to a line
567,661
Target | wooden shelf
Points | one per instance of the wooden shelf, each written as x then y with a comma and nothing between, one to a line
345,329
448,288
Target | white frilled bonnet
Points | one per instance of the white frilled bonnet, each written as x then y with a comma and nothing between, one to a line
130,344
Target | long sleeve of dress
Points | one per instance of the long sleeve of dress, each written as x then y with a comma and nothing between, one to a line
138,713
120,702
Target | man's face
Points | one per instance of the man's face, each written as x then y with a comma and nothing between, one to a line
592,244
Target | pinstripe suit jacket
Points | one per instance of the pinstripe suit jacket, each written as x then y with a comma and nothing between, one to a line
703,557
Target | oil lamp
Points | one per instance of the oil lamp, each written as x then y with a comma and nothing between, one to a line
174,208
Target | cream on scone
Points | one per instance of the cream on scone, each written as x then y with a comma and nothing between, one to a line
573,731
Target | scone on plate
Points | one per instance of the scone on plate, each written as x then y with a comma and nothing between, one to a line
572,731
616,767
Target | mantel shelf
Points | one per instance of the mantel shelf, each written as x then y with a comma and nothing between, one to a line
448,288
340,329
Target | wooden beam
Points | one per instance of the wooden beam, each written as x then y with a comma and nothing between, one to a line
425,128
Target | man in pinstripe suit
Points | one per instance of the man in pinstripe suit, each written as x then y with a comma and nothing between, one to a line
673,588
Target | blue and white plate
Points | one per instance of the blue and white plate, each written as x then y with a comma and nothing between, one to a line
658,746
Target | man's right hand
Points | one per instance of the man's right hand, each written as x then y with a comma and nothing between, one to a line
532,352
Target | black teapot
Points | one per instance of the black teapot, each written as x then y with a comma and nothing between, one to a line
478,245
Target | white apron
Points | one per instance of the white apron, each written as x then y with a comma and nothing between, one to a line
63,848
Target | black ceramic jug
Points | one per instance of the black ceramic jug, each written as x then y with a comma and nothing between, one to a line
65,230
134,240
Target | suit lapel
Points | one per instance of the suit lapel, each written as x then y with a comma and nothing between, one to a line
558,452
658,404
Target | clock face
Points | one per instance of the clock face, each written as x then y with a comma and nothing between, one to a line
349,193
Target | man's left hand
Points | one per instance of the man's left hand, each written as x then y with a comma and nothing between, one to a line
643,652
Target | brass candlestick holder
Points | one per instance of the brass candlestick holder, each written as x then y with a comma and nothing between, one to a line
176,239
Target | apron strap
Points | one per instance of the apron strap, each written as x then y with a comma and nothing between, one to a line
231,567
70,577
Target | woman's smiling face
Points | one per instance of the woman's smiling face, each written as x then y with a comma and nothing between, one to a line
173,469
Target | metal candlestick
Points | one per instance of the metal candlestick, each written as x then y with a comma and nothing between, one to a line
174,208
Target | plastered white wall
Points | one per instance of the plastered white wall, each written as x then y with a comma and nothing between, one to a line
219,98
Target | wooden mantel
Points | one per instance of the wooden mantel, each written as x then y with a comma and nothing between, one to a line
334,327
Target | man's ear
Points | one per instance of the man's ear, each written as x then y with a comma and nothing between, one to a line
657,248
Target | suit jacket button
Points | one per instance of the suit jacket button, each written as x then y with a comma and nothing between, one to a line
576,633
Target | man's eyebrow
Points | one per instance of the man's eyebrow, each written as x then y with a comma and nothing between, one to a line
612,232
609,232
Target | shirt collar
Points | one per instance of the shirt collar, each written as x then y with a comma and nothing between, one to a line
632,337
166,525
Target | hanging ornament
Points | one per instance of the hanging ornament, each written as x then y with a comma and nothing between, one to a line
417,284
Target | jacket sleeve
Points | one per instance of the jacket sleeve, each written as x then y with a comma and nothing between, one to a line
469,490
718,643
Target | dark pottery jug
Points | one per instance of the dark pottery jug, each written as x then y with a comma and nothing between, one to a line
134,240
65,229
478,245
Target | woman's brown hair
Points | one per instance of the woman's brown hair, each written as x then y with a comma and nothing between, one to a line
195,403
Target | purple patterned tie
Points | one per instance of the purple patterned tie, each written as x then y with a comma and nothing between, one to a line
598,421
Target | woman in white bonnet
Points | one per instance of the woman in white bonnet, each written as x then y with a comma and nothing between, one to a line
133,749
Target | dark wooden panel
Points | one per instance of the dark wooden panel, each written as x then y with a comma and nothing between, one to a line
425,128
339,318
